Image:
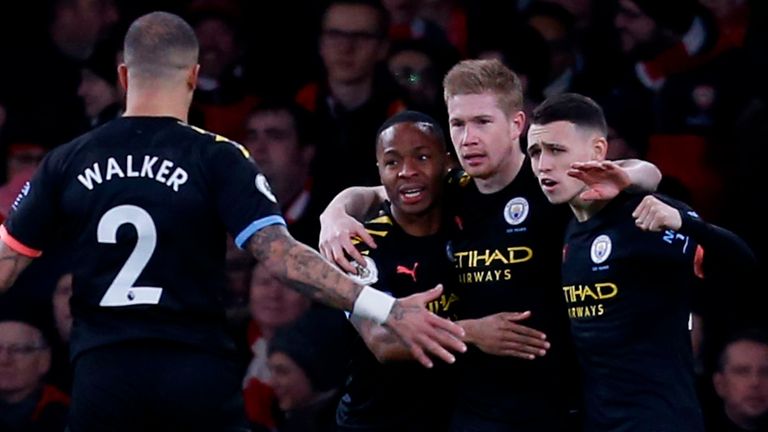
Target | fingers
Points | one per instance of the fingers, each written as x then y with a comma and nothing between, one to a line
364,235
604,179
425,333
586,168
340,258
434,342
534,343
587,165
642,214
439,342
420,356
339,249
515,316
592,168
525,348
345,249
425,297
449,334
336,242
433,347
641,208
522,352
523,337
649,215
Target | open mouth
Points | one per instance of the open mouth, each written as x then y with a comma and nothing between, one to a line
411,195
547,184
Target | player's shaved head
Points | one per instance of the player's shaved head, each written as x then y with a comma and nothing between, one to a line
160,44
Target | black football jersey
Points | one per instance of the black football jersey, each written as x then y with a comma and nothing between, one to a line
404,395
628,292
507,254
145,204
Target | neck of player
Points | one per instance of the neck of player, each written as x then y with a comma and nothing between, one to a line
419,224
583,209
505,174
146,102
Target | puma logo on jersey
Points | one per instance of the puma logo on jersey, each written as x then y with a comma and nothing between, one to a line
405,270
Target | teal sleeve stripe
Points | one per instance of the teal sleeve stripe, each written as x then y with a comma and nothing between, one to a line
256,226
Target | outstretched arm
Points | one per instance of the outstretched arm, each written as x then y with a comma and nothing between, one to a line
730,250
381,341
498,334
306,271
605,179
339,223
11,265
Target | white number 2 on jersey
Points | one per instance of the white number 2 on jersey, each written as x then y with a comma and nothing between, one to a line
122,292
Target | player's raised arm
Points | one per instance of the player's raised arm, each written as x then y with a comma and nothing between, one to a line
339,222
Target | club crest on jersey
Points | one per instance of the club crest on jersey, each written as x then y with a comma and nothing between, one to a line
516,210
601,249
263,186
365,275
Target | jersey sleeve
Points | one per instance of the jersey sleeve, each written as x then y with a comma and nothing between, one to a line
722,249
32,222
719,248
243,196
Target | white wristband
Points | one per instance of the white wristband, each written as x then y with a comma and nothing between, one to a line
373,304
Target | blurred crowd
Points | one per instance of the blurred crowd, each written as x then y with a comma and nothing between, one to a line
305,84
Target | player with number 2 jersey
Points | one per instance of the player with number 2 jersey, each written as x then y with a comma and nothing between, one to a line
158,195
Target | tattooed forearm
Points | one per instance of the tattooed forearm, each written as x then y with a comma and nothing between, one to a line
11,264
384,345
302,268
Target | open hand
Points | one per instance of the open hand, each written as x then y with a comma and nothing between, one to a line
500,334
424,332
604,179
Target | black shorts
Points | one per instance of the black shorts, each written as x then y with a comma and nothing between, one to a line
155,386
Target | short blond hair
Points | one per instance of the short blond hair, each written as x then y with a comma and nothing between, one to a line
470,77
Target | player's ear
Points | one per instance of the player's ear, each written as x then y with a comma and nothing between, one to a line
192,76
599,148
122,76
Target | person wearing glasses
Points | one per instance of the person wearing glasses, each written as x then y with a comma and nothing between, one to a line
144,205
353,97
27,402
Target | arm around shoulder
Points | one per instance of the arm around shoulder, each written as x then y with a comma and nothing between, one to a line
355,201
340,222
643,175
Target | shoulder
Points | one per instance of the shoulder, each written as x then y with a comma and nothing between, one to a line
457,185
215,141
458,178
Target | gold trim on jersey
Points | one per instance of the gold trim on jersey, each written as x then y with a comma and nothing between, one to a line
219,138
